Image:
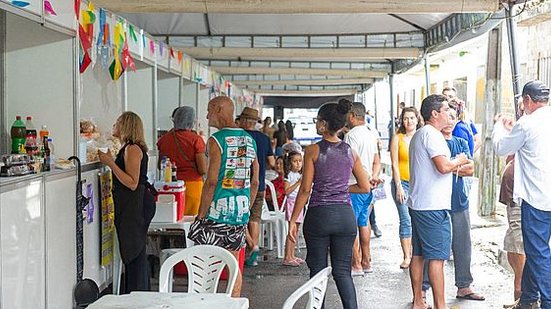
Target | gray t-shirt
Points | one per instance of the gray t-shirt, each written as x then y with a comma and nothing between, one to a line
428,188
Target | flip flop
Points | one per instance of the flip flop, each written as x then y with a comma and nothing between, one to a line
356,273
292,263
299,260
471,296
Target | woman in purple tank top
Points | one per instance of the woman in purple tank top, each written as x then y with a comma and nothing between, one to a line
330,224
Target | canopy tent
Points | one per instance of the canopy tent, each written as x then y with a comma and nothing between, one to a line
301,46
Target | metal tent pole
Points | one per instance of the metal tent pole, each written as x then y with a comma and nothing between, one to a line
513,55
427,75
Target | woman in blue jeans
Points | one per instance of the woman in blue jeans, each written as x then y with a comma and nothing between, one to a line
410,121
330,224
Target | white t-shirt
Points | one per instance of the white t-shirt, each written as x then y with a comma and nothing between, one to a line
428,188
364,141
293,178
529,139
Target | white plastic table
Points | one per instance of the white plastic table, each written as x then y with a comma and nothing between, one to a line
183,224
142,300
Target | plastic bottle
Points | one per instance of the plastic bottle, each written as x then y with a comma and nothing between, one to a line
46,166
168,171
52,153
31,144
18,135
174,169
162,169
43,132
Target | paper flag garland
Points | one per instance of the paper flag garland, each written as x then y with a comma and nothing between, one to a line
180,56
48,8
103,43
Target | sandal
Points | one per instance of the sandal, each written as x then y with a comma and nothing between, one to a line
292,263
471,296
299,260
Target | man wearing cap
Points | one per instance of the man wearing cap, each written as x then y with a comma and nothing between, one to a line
247,120
528,139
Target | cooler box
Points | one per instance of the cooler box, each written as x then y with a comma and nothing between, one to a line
177,192
181,269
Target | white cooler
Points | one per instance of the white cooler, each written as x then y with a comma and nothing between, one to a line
167,209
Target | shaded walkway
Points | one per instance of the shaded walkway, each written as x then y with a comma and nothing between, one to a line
269,284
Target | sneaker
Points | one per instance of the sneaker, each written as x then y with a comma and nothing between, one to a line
376,231
519,305
251,261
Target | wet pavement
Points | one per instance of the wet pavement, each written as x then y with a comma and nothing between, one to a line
270,283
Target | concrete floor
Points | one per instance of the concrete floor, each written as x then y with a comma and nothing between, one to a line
270,283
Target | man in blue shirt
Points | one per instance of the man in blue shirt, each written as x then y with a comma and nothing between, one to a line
461,225
265,155
464,128
460,218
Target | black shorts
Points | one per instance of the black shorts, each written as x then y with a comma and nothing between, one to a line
208,232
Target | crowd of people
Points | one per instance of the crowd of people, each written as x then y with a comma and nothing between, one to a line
432,165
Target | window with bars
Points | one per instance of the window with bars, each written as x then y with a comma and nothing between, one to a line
544,69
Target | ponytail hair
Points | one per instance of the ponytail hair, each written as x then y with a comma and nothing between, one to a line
334,114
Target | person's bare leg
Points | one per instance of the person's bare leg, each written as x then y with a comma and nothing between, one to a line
254,231
356,256
436,279
517,264
416,277
364,236
406,250
248,239
289,250
236,291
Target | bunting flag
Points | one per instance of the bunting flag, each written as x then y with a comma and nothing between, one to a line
127,60
116,68
161,46
77,9
132,33
171,53
103,43
86,34
48,8
151,47
180,56
20,4
142,46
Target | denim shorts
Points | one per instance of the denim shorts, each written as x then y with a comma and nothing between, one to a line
432,234
361,203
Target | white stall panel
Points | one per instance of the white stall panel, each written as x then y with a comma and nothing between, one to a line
189,94
202,122
63,13
60,241
92,266
22,240
168,98
140,98
39,79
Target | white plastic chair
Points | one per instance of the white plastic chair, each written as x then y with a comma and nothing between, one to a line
315,287
204,264
275,221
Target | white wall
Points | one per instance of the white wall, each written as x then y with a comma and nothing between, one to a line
189,94
140,98
168,98
101,98
202,121
39,80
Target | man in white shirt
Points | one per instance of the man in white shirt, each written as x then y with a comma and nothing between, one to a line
364,141
528,138
430,199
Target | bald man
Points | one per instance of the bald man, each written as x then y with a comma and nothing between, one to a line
232,178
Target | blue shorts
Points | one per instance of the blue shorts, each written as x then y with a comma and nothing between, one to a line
361,203
432,234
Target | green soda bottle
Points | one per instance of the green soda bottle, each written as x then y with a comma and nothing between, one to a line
18,135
